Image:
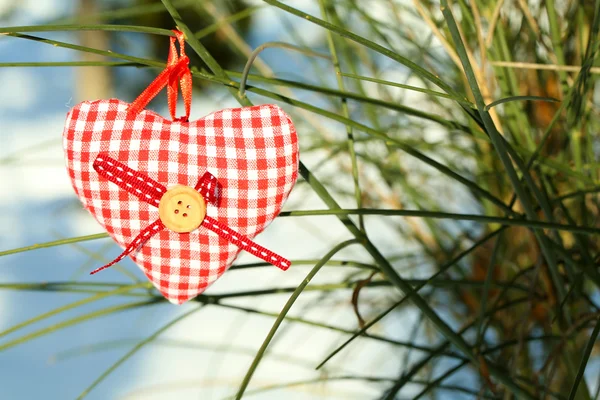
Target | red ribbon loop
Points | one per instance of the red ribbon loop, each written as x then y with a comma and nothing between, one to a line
209,188
176,72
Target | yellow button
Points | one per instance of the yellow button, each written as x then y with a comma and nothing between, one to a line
182,209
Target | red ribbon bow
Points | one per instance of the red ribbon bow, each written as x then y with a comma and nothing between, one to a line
151,192
146,189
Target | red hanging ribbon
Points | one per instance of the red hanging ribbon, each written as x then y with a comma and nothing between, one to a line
151,192
177,71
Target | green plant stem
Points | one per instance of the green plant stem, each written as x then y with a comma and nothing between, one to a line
520,98
418,70
584,360
79,303
535,224
259,49
78,320
54,243
79,27
286,308
409,87
441,270
134,350
121,13
486,290
502,149
71,64
557,45
345,113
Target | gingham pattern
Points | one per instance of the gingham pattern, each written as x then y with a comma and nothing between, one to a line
252,151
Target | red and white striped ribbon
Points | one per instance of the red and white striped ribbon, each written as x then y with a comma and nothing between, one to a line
146,189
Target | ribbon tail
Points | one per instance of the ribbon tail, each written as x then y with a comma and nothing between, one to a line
246,244
137,242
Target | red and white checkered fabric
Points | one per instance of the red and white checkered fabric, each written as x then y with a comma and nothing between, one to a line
252,151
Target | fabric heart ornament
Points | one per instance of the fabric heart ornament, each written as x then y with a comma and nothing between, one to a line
181,198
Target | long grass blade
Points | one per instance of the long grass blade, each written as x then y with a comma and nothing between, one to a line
286,308
584,360
134,350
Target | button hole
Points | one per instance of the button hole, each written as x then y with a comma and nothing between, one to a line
188,206
184,215
176,211
179,202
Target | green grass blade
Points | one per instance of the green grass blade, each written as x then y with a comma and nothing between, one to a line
486,290
106,53
436,382
367,43
286,308
77,28
79,303
134,350
212,28
345,113
503,149
77,320
352,96
391,142
459,99
520,98
71,64
122,13
54,243
584,360
375,320
535,225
